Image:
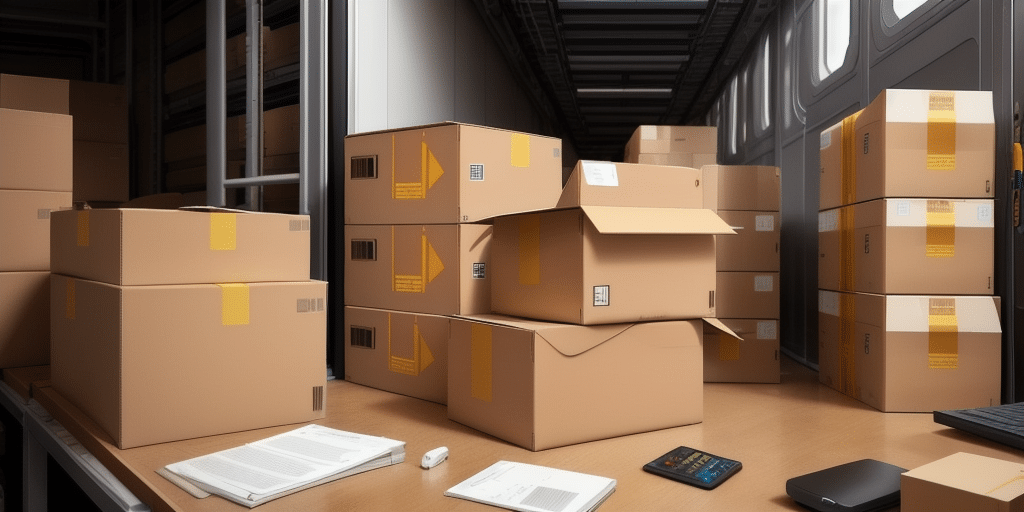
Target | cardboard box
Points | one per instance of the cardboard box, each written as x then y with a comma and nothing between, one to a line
153,364
695,160
34,94
671,139
190,70
440,269
35,151
754,247
100,111
538,384
606,264
836,161
963,481
100,171
189,144
281,131
400,352
151,246
742,187
25,228
281,47
24,380
24,319
911,353
748,294
618,184
448,173
908,246
194,178
752,358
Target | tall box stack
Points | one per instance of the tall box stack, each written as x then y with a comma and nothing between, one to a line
100,114
35,180
417,251
684,146
748,199
907,320
206,300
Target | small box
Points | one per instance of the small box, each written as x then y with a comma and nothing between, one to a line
35,151
618,184
100,111
202,245
754,247
153,364
742,187
100,171
908,246
448,173
400,352
963,481
747,294
752,358
24,319
442,269
25,228
34,94
648,139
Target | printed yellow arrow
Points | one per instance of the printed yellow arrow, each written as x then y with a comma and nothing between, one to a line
430,172
426,356
429,166
431,266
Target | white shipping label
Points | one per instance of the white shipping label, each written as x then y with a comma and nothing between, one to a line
476,172
985,214
764,223
600,174
903,208
764,283
601,295
828,302
648,132
767,330
828,221
826,139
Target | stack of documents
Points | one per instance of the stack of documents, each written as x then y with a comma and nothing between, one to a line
529,488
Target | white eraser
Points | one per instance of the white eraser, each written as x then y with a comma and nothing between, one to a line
434,457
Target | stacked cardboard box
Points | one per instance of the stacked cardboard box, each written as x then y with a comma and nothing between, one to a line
686,146
907,321
100,113
35,180
160,319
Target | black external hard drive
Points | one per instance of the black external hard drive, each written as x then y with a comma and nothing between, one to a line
859,486
694,467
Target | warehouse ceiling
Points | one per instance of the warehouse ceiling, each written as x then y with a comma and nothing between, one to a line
603,67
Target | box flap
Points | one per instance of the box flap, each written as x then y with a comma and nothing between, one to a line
568,339
717,325
620,220
630,184
986,476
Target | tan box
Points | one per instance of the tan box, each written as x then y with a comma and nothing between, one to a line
25,228
35,151
908,246
963,481
836,160
152,364
742,187
448,173
281,131
754,247
190,70
753,358
911,353
443,269
100,111
189,144
194,178
695,160
24,380
400,352
33,93
100,171
671,139
748,294
618,184
24,319
536,384
152,246
281,47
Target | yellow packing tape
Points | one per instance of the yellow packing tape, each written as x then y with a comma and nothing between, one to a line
83,228
520,150
529,249
940,230
480,362
222,231
848,165
943,334
69,306
941,131
234,300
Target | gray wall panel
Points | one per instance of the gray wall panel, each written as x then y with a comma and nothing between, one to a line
421,62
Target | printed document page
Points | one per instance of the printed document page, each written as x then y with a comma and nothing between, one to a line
529,488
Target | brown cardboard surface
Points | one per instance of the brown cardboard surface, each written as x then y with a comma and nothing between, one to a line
742,187
754,247
695,160
533,383
671,139
100,171
908,246
24,319
747,294
401,352
832,159
153,246
35,94
22,379
194,178
281,47
448,173
190,143
152,364
619,184
754,358
100,111
35,151
963,481
281,131
441,269
25,228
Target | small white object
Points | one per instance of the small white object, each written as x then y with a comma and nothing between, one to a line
434,457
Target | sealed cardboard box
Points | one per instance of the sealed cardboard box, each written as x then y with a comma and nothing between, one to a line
400,352
448,173
836,161
33,93
24,319
534,383
441,269
754,357
912,353
696,160
754,247
152,364
100,111
618,184
188,145
742,187
151,246
963,481
35,151
100,171
908,246
25,228
649,139
748,294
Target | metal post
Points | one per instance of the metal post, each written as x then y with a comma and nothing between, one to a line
254,99
216,102
313,129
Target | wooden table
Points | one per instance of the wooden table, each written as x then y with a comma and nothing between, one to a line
776,430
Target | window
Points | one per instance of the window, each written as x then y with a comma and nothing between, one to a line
904,7
733,118
901,12
832,30
762,89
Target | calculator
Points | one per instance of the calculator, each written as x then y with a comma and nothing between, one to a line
694,467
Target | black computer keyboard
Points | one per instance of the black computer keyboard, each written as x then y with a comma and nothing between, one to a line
1001,423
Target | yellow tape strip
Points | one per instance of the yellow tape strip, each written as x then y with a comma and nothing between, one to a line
222,231
728,348
847,263
940,230
943,334
234,304
69,306
1013,481
847,324
941,131
520,150
529,249
848,166
83,228
480,362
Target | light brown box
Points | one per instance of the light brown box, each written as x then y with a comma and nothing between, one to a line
153,246
671,139
189,144
35,151
24,319
695,160
194,178
153,364
908,246
606,264
281,131
100,111
281,47
400,352
448,173
619,184
836,161
963,481
24,380
25,228
742,187
190,70
748,294
100,171
754,247
534,383
443,269
911,353
34,94
754,358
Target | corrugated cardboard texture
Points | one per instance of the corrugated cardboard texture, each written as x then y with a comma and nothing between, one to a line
742,187
695,160
754,247
747,294
153,364
100,111
832,162
533,383
100,171
35,94
619,184
25,228
24,379
755,358
963,481
650,139
24,319
35,151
